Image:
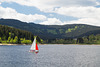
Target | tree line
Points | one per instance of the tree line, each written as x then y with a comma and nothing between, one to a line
91,39
15,36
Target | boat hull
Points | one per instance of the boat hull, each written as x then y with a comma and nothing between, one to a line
34,51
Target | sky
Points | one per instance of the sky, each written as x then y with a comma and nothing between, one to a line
52,12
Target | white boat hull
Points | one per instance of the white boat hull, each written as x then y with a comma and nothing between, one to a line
34,51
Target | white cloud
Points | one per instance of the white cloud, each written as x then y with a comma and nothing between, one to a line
9,13
51,21
89,21
98,3
87,15
91,18
79,12
49,5
84,10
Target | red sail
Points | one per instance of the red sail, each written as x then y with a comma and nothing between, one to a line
36,47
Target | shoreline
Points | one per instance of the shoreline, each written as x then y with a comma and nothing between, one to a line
14,44
69,44
48,44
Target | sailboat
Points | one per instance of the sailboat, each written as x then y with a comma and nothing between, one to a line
34,47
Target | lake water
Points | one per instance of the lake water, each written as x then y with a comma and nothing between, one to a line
50,56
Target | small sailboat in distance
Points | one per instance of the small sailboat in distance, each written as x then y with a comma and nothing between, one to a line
34,47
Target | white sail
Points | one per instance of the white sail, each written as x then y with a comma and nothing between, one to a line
33,44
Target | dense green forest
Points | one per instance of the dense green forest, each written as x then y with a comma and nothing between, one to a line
15,36
91,39
56,34
53,31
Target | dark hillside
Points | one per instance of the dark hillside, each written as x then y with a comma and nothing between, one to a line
53,31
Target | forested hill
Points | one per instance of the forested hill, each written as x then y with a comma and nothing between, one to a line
53,31
13,35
